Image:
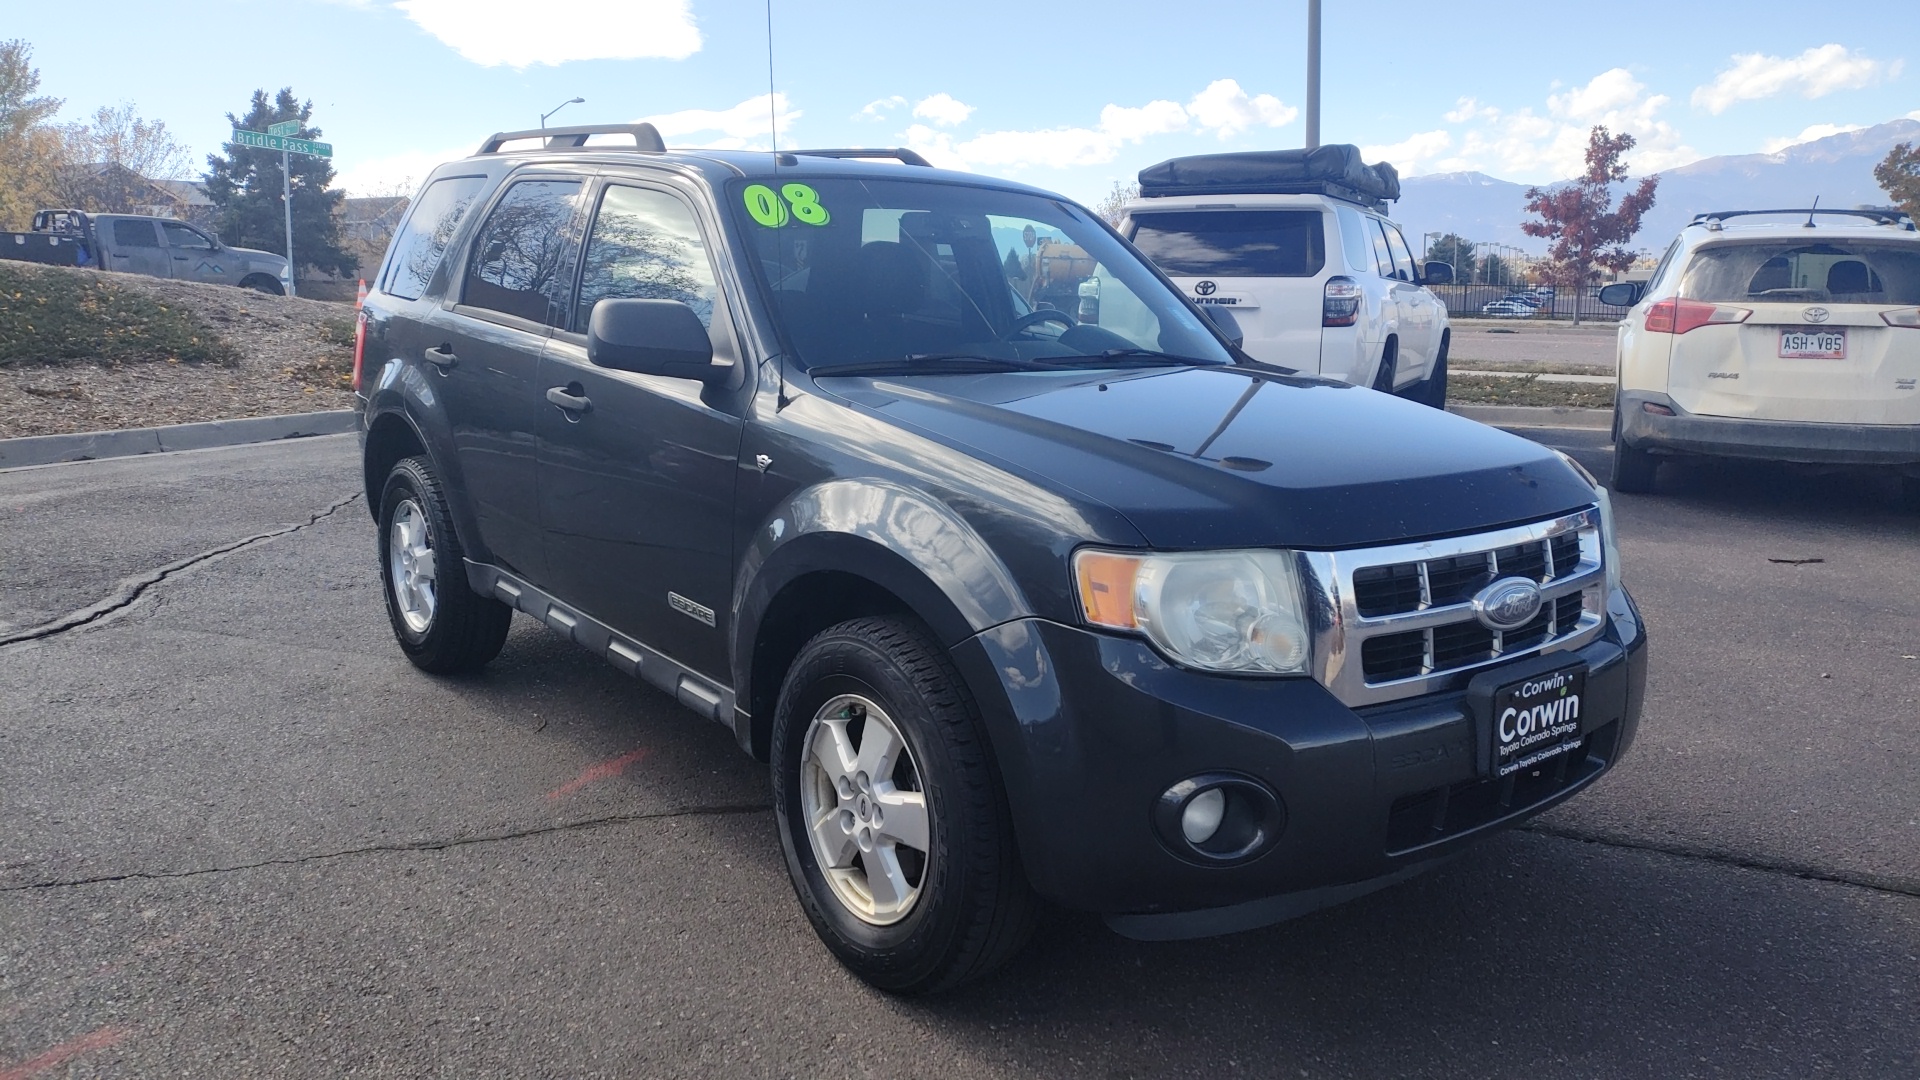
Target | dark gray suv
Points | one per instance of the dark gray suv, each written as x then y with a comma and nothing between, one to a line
1026,581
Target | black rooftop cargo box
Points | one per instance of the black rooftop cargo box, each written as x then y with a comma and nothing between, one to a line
1335,171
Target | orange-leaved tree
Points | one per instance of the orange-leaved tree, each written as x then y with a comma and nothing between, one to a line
1587,231
1899,174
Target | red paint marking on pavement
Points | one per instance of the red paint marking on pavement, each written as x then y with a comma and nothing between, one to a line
605,770
67,1051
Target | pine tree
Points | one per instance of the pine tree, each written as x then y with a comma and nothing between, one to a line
244,185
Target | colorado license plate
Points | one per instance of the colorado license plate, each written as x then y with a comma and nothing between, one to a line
1537,719
1813,344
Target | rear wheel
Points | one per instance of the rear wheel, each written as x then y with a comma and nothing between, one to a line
442,625
892,819
1383,378
1433,388
1633,469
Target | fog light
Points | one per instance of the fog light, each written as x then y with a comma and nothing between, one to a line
1219,819
1201,819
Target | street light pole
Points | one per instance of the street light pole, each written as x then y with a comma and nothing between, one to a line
557,108
1313,74
286,199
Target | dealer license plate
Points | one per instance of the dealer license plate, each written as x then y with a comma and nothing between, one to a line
1813,344
1537,719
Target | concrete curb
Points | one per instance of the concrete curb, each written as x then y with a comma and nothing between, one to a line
89,445
1535,416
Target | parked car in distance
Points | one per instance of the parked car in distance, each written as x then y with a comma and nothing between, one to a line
1508,309
1788,335
135,244
1295,245
1016,604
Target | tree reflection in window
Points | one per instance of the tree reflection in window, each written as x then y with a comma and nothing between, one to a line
645,245
517,261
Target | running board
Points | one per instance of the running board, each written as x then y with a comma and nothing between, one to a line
694,691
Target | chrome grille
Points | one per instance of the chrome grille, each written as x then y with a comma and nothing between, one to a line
1395,622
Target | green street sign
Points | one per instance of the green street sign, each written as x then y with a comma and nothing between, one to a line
262,141
284,127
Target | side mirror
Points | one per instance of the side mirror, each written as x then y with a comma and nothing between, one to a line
1437,273
1229,327
652,337
1621,293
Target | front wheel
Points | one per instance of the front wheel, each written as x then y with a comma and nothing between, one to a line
892,817
442,625
1633,469
265,284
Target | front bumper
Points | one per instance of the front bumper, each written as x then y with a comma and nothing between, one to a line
1089,729
1771,440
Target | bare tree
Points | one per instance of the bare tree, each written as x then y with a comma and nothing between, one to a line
30,147
1114,203
111,161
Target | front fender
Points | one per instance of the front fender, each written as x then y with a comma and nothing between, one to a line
912,545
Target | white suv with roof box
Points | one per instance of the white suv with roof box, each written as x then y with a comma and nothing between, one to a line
1294,244
1789,335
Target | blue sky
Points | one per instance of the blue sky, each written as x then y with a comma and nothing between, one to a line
1068,96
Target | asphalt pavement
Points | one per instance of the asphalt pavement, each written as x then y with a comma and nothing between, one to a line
243,837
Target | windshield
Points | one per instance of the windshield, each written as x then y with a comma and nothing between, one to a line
860,271
1839,271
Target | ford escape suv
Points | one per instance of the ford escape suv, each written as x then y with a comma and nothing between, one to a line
1022,598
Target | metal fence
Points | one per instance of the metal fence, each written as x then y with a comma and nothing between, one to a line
1470,301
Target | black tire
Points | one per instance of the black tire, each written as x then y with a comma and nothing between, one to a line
1633,469
1433,388
1383,378
974,910
263,283
463,630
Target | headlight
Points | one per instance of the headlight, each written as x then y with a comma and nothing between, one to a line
1236,611
1609,550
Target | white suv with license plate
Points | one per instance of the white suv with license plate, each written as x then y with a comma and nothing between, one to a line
1293,245
1787,335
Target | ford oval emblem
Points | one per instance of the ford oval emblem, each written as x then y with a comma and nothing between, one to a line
1507,604
1815,314
1205,288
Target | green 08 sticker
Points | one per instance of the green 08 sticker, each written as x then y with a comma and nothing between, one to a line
794,201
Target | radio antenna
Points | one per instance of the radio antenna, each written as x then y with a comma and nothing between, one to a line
1810,212
773,98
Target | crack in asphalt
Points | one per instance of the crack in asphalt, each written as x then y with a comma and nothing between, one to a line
1872,882
414,845
131,589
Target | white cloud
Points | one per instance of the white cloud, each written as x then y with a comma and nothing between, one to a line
501,32
942,110
878,110
1153,118
1815,73
1225,108
1914,115
1411,152
1814,131
1470,109
742,127
1528,145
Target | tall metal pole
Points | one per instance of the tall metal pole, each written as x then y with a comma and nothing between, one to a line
286,200
1313,74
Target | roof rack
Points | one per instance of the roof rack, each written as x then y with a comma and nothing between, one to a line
646,137
1880,217
899,153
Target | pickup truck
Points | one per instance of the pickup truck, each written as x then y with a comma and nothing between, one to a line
1017,603
156,247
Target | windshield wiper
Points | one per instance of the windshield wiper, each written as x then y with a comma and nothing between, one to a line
930,364
1138,358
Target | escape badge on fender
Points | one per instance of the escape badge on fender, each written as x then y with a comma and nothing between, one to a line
801,202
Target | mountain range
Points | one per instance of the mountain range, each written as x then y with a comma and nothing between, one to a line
1838,169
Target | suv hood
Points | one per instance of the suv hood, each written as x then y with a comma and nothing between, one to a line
1233,457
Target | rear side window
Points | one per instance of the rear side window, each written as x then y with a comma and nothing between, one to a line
645,245
430,226
1234,243
1356,238
131,234
519,266
1826,271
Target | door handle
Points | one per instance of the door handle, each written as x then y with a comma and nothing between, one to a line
571,398
442,358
